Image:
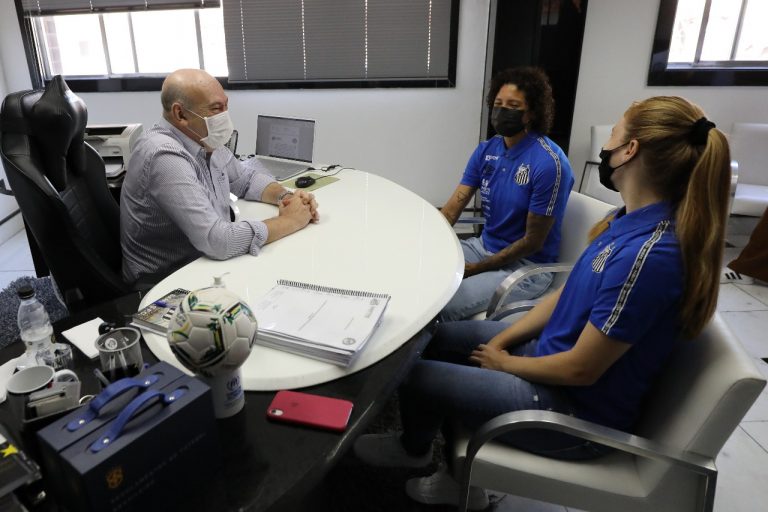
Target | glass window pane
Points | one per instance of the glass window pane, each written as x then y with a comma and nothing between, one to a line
156,42
721,29
685,34
398,39
334,34
753,43
165,40
73,45
279,40
264,40
214,47
119,43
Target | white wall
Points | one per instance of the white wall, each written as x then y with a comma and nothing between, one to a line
9,38
615,57
12,57
3,86
419,138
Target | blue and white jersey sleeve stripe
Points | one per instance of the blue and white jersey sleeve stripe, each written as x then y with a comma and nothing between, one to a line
555,179
629,298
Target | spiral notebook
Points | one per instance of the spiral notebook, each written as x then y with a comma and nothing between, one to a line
321,322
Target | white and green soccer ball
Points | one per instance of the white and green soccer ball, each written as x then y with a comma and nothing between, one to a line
212,331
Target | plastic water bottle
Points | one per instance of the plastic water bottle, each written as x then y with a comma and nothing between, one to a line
35,328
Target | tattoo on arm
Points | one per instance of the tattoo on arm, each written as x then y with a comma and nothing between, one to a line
537,228
453,208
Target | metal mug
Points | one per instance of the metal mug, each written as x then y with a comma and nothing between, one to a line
37,391
120,353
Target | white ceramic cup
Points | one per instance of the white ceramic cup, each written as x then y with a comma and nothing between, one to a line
40,390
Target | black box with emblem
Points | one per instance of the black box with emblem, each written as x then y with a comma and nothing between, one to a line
160,446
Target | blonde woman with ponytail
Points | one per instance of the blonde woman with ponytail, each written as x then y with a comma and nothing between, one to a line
696,181
648,281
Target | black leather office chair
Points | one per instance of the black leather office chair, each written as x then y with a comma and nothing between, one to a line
60,185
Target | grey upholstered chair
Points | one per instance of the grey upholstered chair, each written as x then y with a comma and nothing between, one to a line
581,213
668,466
749,147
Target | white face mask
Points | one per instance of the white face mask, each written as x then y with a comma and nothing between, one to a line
219,128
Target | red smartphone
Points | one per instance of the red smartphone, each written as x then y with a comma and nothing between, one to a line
312,410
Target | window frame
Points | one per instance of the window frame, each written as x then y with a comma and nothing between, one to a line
709,73
153,82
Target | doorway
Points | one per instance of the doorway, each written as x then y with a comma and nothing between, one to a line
543,33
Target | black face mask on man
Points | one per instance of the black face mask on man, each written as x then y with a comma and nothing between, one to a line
605,170
507,122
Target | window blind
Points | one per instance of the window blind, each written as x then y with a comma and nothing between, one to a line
53,7
338,40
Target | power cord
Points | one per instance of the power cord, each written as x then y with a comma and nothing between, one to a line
329,168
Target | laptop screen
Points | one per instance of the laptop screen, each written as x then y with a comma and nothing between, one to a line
284,137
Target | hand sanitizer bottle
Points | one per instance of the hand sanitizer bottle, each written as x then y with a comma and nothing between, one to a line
218,281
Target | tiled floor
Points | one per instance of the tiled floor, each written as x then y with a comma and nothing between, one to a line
15,259
744,459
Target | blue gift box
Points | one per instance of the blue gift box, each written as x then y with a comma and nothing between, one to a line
137,457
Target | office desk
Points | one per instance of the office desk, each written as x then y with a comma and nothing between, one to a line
266,466
373,235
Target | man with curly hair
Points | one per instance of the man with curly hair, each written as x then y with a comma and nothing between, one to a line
524,180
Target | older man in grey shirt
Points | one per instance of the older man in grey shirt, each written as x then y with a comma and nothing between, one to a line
174,204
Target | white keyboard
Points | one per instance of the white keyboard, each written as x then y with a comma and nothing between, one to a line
282,170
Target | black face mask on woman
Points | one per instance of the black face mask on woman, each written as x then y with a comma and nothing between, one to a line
507,122
605,170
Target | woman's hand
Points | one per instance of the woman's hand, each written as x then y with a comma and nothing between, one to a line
489,357
471,269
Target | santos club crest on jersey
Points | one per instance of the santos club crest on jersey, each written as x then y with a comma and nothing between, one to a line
523,174
598,264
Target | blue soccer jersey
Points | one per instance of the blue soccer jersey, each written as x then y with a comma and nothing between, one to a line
534,176
628,283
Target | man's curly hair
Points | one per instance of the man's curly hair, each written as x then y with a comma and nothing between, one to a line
538,94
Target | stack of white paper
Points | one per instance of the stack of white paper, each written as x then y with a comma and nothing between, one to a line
324,323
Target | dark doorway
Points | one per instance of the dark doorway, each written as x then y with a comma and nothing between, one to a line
548,34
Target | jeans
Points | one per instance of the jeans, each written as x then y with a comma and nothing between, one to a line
475,292
444,385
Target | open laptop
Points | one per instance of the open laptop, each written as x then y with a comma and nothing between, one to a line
284,145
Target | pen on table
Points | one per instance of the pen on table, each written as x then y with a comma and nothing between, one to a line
101,377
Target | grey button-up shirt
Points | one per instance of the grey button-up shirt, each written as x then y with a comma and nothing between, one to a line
174,206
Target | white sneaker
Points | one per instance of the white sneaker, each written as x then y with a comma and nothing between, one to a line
386,451
441,489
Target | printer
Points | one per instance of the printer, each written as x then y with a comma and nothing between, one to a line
113,142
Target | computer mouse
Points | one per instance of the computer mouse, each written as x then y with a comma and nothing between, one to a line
305,181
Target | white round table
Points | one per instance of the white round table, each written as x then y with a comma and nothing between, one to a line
373,235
